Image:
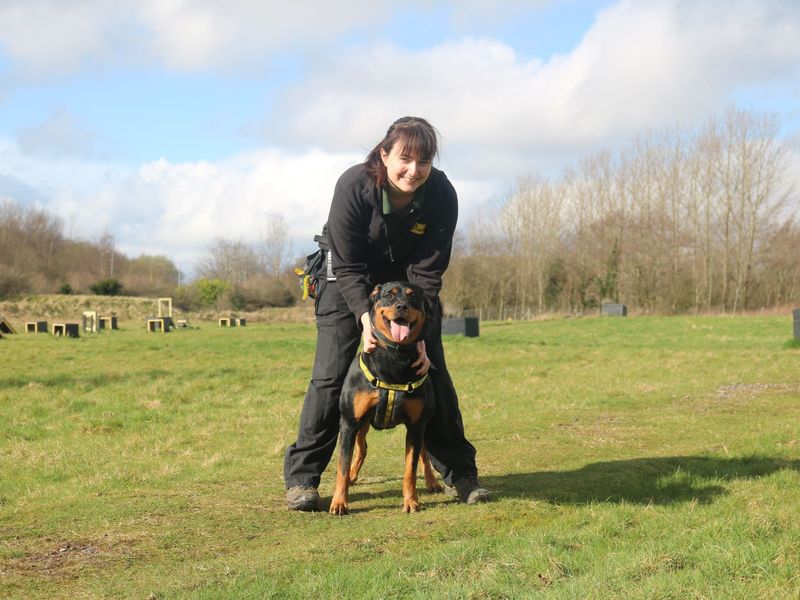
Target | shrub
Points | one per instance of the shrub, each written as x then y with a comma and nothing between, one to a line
107,287
209,291
65,289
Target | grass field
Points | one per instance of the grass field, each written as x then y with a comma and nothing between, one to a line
644,457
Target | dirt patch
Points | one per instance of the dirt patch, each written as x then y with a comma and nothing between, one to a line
67,558
736,391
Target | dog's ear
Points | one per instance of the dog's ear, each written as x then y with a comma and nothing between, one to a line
373,297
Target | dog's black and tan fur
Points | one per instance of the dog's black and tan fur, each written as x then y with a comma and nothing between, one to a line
396,307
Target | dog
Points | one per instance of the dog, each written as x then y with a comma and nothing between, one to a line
382,389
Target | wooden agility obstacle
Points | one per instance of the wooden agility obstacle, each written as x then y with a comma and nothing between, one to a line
5,326
36,327
66,330
232,322
165,307
107,322
165,313
157,324
89,321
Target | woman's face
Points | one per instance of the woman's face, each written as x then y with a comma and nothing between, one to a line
406,172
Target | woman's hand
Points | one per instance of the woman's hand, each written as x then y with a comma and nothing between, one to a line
424,363
367,338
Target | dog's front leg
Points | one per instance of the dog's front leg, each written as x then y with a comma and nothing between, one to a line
413,448
360,452
430,477
347,436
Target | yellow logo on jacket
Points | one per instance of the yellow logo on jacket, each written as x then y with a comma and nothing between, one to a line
418,228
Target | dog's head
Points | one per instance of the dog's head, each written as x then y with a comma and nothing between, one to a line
399,312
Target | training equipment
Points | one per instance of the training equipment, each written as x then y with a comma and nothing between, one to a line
36,327
466,326
5,326
163,322
107,322
158,324
615,310
89,321
232,322
66,330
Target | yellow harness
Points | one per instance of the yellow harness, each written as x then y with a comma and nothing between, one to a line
388,401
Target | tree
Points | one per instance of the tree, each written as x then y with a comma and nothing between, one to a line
232,261
275,246
150,275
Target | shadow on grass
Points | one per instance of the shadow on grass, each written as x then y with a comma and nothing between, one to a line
662,480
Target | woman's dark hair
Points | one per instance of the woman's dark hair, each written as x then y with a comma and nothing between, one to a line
415,135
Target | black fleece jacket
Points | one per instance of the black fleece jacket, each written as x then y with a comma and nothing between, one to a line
368,247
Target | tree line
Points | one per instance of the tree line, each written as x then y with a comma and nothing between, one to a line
37,257
678,221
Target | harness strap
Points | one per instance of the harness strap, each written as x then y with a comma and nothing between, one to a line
397,387
390,396
385,415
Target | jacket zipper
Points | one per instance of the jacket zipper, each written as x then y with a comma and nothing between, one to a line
388,241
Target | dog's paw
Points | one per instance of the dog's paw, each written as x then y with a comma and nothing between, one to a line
339,507
410,505
434,488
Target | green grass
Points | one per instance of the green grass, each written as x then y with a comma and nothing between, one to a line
635,458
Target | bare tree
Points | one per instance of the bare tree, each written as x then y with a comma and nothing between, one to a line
233,261
274,246
531,225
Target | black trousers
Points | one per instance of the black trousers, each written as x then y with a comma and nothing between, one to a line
338,337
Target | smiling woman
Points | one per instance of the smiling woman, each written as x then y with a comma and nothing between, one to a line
392,218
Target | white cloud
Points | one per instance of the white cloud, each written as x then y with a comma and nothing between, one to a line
198,34
641,65
179,209
649,64
176,209
51,36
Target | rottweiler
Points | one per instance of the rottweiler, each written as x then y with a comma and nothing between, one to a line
382,389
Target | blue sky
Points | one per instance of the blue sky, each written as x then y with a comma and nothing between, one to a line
168,124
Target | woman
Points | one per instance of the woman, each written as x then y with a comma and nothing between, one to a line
391,218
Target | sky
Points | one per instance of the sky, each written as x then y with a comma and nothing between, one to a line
170,123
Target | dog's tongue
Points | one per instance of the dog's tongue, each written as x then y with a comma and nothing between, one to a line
399,332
